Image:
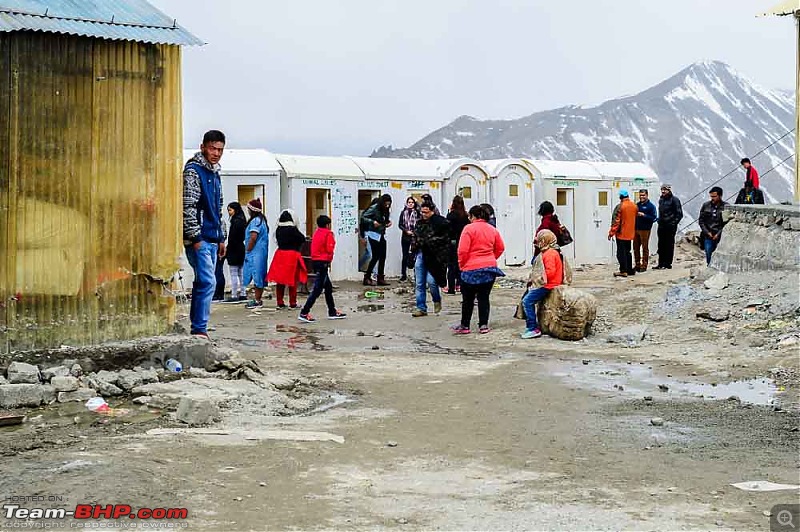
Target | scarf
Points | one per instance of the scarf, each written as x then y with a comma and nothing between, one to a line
290,223
546,239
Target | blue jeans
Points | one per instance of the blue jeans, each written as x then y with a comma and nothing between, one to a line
423,278
529,303
203,261
710,246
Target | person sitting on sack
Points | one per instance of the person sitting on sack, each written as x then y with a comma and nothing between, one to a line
549,271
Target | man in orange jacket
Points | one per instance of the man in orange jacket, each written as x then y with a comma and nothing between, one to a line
623,227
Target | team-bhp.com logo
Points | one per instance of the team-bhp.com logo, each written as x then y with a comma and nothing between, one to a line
95,512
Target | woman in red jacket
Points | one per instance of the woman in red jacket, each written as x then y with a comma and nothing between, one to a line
478,249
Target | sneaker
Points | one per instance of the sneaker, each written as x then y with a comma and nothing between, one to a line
201,336
437,307
254,304
281,307
418,313
306,318
484,329
461,330
242,298
338,316
294,307
232,300
536,333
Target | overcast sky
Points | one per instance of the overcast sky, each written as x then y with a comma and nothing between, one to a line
332,77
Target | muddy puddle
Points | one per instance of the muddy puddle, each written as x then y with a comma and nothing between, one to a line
634,380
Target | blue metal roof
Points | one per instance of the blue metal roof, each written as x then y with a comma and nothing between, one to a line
126,20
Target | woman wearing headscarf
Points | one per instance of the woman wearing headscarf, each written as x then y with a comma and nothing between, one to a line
407,223
287,268
478,251
256,251
235,251
549,271
376,221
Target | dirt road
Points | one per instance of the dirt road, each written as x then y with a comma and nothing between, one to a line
454,433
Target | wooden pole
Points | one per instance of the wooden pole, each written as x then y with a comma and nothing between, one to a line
797,112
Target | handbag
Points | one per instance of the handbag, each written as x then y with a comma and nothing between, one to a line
564,237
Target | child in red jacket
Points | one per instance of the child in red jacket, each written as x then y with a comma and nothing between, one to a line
323,244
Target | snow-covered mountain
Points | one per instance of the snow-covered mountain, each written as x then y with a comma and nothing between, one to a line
692,128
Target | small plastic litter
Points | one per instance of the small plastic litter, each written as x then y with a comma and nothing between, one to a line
173,365
764,485
97,404
371,294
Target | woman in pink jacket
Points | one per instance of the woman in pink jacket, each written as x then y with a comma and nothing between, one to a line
478,250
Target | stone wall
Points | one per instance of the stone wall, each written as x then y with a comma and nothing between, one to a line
760,237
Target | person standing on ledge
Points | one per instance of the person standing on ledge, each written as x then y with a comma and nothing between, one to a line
750,173
204,233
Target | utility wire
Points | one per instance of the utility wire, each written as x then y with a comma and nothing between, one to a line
737,192
788,132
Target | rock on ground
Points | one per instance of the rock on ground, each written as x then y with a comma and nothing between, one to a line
195,411
718,282
55,371
713,314
567,313
65,383
80,395
22,373
629,336
19,395
128,379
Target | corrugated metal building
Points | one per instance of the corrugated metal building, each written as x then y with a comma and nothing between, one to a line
90,165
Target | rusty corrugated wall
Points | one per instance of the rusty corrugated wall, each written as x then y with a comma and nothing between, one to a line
90,188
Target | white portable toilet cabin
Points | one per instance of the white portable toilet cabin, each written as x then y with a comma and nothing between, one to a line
313,185
245,175
633,177
466,178
512,195
400,178
583,201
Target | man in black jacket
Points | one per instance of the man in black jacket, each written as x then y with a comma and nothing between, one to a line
670,213
711,221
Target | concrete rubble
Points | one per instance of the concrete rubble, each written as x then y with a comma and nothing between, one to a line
222,381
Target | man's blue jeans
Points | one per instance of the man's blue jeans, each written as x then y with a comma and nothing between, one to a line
710,245
203,261
529,303
424,278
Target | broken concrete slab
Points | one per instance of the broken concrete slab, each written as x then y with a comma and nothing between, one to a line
65,383
148,375
196,412
20,395
103,388
629,336
55,371
80,395
719,281
49,394
22,373
128,379
76,370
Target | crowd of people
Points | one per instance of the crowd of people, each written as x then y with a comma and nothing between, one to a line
456,253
